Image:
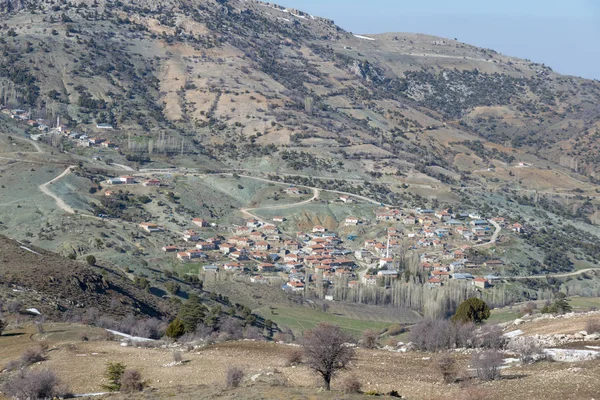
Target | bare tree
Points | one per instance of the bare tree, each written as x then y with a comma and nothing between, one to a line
326,351
448,369
487,364
369,339
528,349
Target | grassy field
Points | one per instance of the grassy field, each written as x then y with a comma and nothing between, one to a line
302,319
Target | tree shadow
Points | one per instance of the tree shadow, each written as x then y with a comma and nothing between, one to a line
12,334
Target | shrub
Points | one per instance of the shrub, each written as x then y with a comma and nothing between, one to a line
176,329
235,376
131,381
592,326
528,350
369,339
472,310
448,369
2,326
114,373
34,385
487,364
177,356
351,385
490,337
31,356
294,357
434,335
91,260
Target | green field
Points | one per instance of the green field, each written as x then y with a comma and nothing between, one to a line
302,319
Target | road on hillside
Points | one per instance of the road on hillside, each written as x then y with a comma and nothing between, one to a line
246,211
59,202
561,275
495,235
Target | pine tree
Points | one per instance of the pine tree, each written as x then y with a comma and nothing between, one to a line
191,313
472,310
175,329
114,372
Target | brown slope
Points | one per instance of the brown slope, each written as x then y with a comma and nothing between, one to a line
55,285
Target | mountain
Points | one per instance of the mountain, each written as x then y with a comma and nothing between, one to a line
255,84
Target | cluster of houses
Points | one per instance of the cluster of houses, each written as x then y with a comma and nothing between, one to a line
25,117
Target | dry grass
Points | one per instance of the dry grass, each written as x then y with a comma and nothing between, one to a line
413,375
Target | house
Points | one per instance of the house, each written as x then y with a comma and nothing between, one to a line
194,253
252,223
481,283
351,221
190,236
200,222
318,229
114,181
409,220
517,228
259,279
226,248
479,223
361,254
245,242
461,276
352,284
435,282
391,273
170,249
243,230
238,255
443,275
293,191
291,245
127,179
151,227
210,268
493,263
474,215
278,219
262,245
152,182
233,266
108,145
109,193
269,229
345,199
205,246
369,280
443,215
295,286
385,262
104,126
96,140
183,256
421,211
266,267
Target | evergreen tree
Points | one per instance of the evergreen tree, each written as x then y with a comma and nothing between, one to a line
191,313
114,372
472,310
175,329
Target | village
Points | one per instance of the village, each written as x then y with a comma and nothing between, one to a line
263,252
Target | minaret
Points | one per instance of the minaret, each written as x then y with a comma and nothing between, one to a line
387,253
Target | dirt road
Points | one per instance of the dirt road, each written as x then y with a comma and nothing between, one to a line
246,211
59,202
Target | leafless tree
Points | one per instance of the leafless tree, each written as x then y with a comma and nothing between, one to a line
369,339
235,376
34,385
326,351
487,364
592,326
448,369
14,307
528,349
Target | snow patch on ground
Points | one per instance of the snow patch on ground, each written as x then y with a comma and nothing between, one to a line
34,311
132,338
570,355
363,37
29,250
90,394
513,334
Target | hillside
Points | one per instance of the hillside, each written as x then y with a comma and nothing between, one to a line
254,84
57,286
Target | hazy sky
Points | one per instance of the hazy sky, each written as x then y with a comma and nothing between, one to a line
563,34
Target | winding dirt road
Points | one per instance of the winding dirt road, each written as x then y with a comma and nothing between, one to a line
59,202
246,211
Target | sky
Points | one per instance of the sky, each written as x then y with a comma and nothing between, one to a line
563,34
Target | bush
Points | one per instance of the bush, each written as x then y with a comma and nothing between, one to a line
131,381
490,337
487,364
14,307
34,385
31,356
434,335
592,326
2,326
294,357
472,310
91,260
177,356
528,350
176,329
351,385
114,373
235,376
448,369
369,339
